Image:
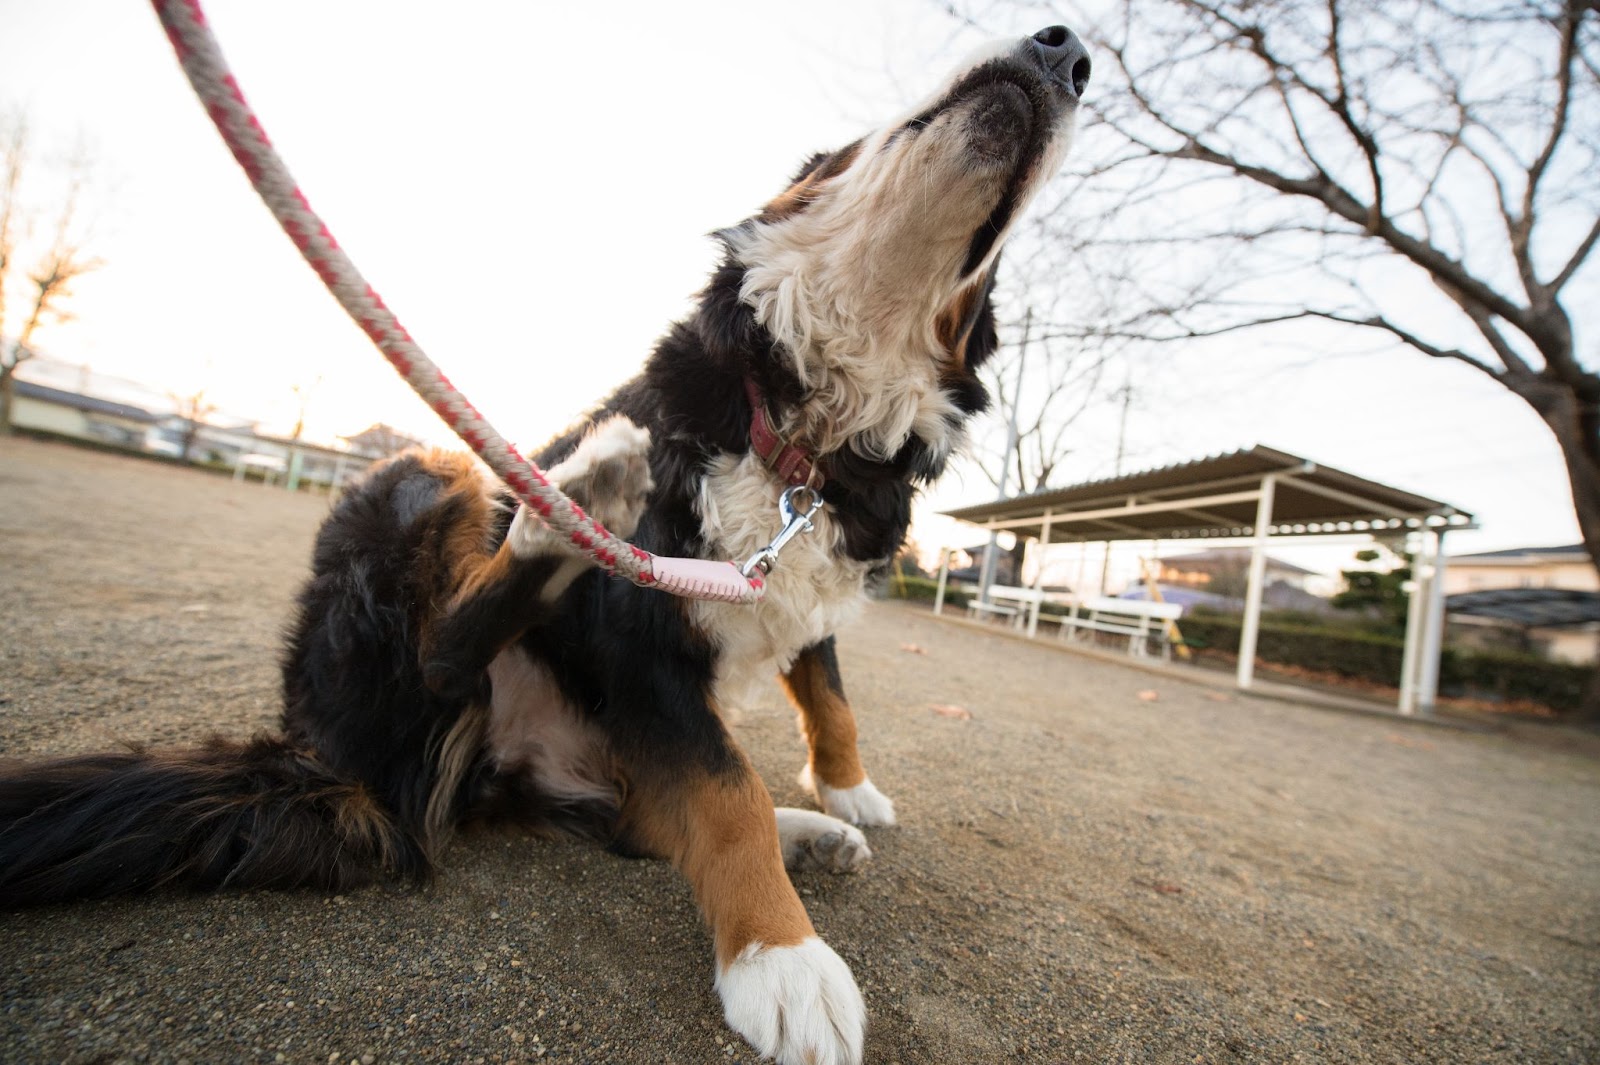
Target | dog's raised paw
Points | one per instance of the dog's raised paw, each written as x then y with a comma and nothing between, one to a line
796,1005
813,841
863,804
609,474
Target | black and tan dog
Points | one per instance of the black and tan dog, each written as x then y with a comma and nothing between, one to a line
450,661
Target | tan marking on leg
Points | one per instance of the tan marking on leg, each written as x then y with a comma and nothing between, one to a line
827,721
457,753
722,833
474,574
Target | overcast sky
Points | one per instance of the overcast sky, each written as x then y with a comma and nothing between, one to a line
529,187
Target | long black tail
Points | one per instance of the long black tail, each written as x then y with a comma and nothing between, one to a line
226,814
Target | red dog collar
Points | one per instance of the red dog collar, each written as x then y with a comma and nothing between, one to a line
791,462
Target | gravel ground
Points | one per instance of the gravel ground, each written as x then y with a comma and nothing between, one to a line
1082,872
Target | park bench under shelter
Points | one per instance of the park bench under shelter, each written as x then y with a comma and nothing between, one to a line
1260,495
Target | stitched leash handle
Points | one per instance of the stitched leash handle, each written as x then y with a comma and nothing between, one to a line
201,57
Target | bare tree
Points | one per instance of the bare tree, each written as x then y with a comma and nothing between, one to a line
1404,168
1045,377
192,410
1425,172
1040,386
61,260
302,397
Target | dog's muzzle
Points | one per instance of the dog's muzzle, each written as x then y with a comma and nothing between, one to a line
1064,58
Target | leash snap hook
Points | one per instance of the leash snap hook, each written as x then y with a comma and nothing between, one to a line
796,516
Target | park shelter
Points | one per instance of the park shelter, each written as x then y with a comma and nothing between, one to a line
1259,494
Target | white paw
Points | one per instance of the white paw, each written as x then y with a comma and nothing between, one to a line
863,804
609,477
817,841
797,1005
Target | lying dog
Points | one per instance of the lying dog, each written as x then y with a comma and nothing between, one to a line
451,661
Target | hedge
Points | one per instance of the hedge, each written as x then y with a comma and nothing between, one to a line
923,588
1367,656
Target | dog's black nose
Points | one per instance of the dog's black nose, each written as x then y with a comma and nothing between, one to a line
1064,56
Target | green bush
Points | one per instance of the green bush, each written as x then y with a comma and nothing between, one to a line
923,588
1377,658
1511,676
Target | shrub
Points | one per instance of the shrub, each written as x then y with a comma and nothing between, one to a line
1377,658
1511,676
923,588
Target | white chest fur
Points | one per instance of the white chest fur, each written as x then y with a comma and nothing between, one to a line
811,592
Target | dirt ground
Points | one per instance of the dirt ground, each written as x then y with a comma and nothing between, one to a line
1081,874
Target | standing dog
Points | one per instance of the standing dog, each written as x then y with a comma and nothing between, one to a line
450,660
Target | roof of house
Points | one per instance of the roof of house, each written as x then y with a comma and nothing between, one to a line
1216,497
1524,556
382,435
1533,607
77,401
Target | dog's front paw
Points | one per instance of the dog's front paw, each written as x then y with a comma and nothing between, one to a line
863,804
796,1005
816,841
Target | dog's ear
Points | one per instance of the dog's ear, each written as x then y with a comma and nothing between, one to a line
967,329
804,187
966,324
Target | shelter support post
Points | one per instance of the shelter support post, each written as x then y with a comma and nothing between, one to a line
991,559
1038,578
1256,586
1416,610
944,578
1419,683
1432,631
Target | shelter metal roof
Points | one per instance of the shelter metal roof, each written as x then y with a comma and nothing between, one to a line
1216,497
1533,607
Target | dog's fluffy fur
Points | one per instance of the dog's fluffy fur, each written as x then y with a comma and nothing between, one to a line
450,661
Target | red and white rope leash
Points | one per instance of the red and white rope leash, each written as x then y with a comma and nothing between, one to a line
201,58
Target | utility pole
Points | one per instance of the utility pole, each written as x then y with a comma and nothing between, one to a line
991,553
1116,471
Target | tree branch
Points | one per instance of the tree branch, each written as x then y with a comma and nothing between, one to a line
1522,235
1342,203
1579,255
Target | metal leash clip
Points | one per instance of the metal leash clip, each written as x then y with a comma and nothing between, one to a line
795,522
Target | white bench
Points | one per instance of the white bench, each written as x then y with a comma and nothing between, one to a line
1138,619
1006,601
976,609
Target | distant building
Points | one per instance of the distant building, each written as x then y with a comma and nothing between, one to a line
238,445
1566,567
381,441
1223,573
43,409
243,445
1528,611
1007,566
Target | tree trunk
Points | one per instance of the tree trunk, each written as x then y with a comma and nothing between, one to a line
1571,419
1019,552
7,394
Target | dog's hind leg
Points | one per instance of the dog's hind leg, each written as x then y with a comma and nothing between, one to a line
609,475
499,595
833,771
